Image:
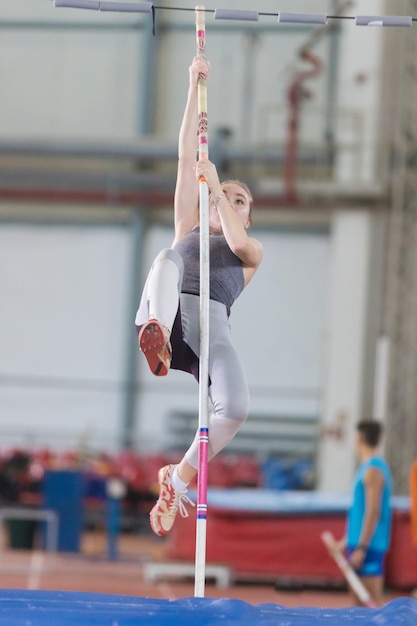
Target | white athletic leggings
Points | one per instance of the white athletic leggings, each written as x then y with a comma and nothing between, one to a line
228,390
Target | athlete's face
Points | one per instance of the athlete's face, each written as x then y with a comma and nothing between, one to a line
238,200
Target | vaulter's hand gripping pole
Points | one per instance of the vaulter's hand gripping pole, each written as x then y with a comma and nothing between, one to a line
200,552
352,578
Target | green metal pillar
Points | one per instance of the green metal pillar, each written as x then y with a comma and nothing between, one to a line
138,229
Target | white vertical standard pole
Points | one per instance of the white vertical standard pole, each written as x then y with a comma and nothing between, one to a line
201,524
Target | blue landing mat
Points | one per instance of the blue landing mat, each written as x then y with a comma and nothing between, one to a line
56,608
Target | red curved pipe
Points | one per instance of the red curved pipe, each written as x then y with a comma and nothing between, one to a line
296,93
102,197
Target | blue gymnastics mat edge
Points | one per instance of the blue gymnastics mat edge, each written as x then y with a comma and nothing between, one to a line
66,608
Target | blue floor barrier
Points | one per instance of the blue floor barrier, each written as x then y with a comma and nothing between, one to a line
56,608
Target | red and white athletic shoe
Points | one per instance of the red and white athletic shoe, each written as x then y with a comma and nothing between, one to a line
155,345
162,516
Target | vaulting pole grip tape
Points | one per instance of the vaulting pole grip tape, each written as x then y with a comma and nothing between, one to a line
202,87
302,18
384,20
226,14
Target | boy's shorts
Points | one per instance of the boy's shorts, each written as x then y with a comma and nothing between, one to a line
373,564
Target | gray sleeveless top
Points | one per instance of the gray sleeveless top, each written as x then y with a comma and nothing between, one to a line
226,273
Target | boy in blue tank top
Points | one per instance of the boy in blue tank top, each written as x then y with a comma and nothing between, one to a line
368,528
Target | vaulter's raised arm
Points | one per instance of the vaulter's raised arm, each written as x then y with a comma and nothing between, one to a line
186,190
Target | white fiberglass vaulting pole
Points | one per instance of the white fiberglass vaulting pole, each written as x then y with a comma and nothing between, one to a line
201,524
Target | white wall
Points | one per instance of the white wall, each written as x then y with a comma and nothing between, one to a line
67,82
62,332
347,317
